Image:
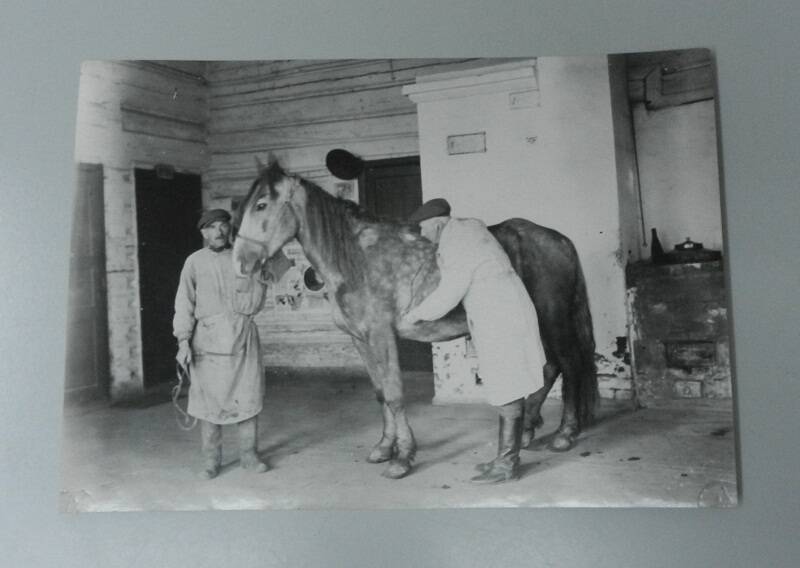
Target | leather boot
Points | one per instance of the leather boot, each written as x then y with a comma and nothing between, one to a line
510,410
248,442
506,465
486,466
211,437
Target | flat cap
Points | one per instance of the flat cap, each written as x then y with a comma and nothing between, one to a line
434,208
213,215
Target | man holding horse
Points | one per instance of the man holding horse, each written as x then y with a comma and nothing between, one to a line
218,343
502,320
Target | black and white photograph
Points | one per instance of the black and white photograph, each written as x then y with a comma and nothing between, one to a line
360,284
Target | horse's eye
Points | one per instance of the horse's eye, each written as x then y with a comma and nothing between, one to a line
261,206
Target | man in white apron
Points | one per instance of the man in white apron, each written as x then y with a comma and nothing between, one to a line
502,321
218,343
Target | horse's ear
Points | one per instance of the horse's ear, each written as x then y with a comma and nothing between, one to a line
259,165
272,160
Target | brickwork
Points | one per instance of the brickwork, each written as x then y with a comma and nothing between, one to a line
679,331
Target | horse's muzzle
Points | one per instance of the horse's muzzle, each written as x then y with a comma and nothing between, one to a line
246,259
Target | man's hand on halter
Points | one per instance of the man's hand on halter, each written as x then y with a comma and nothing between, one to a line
184,356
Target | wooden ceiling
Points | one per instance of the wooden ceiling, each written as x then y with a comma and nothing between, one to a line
641,64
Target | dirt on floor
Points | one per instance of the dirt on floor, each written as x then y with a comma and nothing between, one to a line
318,426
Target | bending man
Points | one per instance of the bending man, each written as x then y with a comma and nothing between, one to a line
502,320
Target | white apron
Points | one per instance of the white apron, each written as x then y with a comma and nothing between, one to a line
215,310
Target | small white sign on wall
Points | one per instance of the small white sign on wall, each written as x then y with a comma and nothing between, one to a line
523,99
473,143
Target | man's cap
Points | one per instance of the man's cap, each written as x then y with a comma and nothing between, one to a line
213,215
434,208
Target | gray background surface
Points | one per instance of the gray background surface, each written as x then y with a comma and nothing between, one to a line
756,46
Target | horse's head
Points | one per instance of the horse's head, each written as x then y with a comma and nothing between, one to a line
265,219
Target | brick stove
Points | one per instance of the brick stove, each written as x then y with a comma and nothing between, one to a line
678,331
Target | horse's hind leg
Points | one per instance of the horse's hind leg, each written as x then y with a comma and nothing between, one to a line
533,404
384,449
564,437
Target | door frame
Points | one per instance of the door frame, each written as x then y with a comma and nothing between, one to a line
103,375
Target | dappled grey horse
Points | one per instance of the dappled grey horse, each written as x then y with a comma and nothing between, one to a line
375,270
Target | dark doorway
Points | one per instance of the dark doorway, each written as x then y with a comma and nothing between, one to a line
87,363
393,189
167,209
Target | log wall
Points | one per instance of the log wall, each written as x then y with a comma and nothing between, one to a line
135,114
300,110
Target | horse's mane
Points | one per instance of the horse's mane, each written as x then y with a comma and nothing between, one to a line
332,222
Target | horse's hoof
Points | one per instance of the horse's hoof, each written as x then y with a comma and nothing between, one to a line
527,438
379,454
561,443
209,472
529,432
397,469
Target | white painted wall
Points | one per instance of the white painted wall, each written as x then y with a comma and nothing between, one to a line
565,179
679,172
578,177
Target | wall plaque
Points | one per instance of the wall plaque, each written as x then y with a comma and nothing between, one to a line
473,143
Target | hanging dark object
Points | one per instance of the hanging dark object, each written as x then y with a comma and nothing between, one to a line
343,164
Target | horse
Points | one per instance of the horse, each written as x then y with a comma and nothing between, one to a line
377,269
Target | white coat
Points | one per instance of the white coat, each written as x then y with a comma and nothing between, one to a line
214,309
502,319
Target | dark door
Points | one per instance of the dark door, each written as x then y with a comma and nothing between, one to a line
166,213
87,364
393,189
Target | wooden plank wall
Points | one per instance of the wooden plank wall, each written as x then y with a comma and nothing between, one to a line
135,114
299,110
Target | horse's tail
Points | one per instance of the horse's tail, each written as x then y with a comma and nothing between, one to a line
586,393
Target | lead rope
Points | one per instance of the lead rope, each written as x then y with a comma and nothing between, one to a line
184,420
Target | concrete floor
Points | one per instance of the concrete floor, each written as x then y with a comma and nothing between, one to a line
317,428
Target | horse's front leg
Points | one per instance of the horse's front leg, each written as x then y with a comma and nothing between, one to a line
406,445
384,449
383,349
